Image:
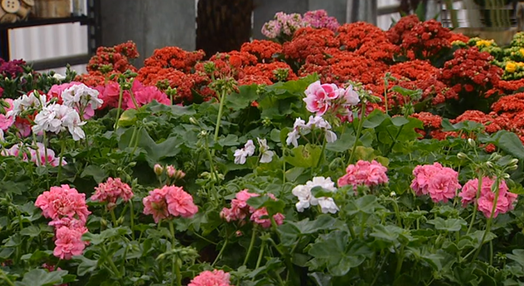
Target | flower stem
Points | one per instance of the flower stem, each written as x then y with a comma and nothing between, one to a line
132,218
113,217
4,277
220,253
119,108
251,244
175,266
219,118
260,254
475,207
61,159
359,131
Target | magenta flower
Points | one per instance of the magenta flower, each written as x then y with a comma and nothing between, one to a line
60,202
364,173
214,278
320,19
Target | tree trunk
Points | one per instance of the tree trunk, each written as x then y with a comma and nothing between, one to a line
223,25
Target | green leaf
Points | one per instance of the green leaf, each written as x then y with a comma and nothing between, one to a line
128,118
31,231
293,173
229,140
517,256
399,121
387,233
366,204
40,277
343,143
319,192
450,224
509,142
98,174
304,156
86,266
245,96
322,222
374,119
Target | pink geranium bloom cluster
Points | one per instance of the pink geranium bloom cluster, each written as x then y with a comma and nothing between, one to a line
142,94
486,199
68,212
211,278
328,97
169,201
283,25
364,173
440,183
39,155
111,191
320,19
240,210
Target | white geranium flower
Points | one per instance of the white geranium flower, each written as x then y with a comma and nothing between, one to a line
330,136
305,198
292,138
241,154
265,154
350,96
321,123
81,95
25,102
56,117
59,76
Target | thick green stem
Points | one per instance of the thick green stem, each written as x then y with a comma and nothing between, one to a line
260,254
219,118
4,277
359,131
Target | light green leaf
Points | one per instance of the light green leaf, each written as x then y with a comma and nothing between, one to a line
40,277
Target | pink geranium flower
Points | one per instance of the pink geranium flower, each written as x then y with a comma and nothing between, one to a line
486,198
440,183
145,94
111,190
180,203
68,243
319,97
364,173
5,121
61,202
169,200
211,278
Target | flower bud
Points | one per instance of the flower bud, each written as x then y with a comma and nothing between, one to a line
489,164
512,167
392,194
514,162
462,156
472,143
506,176
158,169
170,170
193,120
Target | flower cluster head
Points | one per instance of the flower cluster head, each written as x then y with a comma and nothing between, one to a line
68,211
306,198
39,155
440,183
315,122
283,25
111,191
211,278
320,19
364,173
56,118
169,201
82,98
266,155
328,97
488,195
27,103
240,210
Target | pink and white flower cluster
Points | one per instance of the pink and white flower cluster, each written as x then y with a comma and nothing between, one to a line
211,278
39,155
56,118
266,155
68,212
364,173
82,98
320,19
284,25
329,98
110,191
440,183
486,197
306,199
300,128
240,210
169,201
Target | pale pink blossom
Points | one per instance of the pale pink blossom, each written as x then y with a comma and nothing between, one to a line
261,217
211,278
423,175
320,19
68,243
242,154
240,210
364,173
5,121
440,183
111,191
61,202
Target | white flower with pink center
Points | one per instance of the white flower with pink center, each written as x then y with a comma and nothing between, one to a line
319,97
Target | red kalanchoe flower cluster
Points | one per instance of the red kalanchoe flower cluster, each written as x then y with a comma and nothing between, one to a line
486,200
109,60
68,210
364,173
110,191
309,41
264,50
353,35
211,278
169,201
174,57
440,183
426,39
240,210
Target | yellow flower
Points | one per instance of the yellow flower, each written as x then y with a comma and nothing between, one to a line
520,64
511,67
521,50
485,43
